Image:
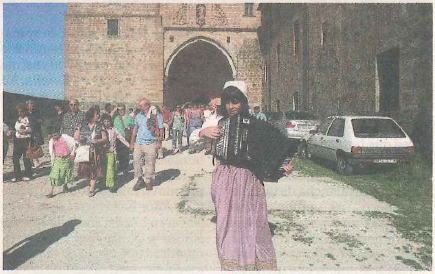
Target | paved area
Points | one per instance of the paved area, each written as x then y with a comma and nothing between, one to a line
318,224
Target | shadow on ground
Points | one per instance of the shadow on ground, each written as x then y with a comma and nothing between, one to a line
122,179
166,175
79,185
30,247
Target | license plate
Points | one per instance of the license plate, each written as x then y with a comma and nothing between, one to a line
385,161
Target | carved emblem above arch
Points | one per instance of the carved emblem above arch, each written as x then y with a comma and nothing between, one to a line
201,11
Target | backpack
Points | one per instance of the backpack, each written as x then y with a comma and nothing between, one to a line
152,122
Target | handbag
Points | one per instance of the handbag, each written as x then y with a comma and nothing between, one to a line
82,154
83,151
34,152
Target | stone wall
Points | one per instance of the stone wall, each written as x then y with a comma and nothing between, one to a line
339,46
115,9
121,68
217,15
225,27
132,65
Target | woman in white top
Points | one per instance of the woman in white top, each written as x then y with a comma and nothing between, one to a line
21,144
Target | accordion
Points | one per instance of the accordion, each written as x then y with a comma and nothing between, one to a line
253,144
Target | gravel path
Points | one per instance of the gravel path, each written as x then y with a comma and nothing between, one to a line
318,224
123,231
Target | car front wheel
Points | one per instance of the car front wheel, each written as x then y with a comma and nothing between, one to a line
304,151
343,166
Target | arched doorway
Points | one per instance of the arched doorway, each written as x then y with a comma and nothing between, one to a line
196,72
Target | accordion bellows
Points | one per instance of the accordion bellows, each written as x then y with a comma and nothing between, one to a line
253,144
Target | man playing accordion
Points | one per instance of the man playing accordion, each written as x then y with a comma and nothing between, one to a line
243,237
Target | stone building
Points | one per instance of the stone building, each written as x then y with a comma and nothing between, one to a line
170,53
347,59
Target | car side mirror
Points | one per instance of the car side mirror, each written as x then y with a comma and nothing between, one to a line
313,131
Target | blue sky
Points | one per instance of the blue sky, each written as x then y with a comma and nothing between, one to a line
33,48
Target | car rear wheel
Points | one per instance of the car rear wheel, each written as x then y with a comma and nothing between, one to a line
304,152
343,166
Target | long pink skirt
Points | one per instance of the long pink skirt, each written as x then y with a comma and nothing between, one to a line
243,237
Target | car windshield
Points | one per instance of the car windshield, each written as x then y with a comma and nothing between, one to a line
299,115
376,128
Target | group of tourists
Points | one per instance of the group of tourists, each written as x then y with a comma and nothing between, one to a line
88,145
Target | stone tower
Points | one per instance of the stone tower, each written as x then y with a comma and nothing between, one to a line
168,53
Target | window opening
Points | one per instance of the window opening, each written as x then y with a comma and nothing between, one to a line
296,38
249,10
387,80
112,27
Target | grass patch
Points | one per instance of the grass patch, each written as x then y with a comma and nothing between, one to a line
330,256
283,228
337,223
407,187
346,239
410,262
183,205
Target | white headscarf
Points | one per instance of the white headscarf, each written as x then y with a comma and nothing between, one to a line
241,85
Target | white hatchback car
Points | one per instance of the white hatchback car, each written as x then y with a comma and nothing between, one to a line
350,141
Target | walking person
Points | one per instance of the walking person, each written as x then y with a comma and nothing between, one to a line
258,114
56,123
62,154
243,237
92,135
159,141
36,123
22,140
167,121
108,108
7,133
73,119
186,110
146,131
209,114
59,113
195,121
177,130
109,160
131,112
124,124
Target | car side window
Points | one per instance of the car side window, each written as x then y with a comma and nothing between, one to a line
337,128
323,128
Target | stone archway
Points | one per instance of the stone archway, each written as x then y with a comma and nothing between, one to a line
196,71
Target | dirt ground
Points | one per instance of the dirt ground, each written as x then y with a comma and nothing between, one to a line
317,224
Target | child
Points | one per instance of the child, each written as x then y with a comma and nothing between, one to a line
61,148
109,160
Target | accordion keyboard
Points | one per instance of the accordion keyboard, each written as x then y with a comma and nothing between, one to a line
222,142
